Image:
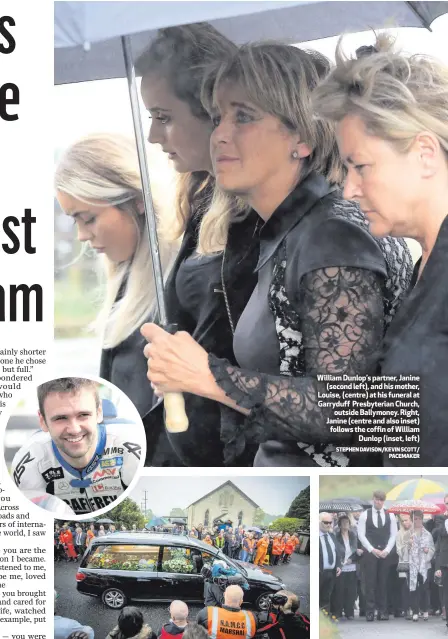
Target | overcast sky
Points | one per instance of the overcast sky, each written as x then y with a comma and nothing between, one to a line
103,105
273,494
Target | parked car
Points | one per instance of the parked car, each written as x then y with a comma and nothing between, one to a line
157,567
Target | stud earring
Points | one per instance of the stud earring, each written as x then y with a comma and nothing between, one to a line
295,155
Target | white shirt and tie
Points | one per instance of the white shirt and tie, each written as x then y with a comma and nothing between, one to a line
328,551
377,517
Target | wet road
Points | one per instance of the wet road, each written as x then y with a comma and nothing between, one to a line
90,610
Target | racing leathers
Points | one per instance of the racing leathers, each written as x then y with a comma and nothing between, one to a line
39,466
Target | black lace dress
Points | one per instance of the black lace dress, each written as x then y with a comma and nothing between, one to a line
326,292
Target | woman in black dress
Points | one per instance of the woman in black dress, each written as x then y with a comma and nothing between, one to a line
391,112
98,184
326,288
213,275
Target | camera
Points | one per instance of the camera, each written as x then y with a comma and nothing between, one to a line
277,600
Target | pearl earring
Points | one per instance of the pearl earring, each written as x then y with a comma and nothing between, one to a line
295,155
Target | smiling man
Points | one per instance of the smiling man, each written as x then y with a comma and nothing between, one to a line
77,457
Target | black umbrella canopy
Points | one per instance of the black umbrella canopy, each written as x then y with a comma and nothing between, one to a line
88,34
340,505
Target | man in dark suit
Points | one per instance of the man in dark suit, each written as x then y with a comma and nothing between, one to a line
79,540
377,530
441,557
330,560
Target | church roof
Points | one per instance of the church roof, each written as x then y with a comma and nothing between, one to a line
231,485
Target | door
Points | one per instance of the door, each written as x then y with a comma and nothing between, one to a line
180,573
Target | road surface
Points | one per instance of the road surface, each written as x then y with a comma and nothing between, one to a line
90,610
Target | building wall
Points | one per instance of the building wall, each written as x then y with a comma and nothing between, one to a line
226,503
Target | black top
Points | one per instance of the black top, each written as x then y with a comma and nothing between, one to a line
303,316
208,322
378,536
417,344
125,366
198,277
441,553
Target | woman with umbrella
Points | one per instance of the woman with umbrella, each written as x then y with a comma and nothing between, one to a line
326,288
98,183
213,275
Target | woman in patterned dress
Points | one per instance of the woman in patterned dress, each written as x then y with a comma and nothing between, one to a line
327,289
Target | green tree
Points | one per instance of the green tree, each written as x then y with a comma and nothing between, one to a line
300,506
126,514
259,516
287,524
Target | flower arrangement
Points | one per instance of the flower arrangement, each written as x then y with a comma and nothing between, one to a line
179,562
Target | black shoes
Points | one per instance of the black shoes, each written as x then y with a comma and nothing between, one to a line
370,616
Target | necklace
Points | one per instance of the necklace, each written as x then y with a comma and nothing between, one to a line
223,283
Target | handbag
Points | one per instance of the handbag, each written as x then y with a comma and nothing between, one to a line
403,566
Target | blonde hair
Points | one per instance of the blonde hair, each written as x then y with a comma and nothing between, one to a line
395,95
279,79
181,55
103,169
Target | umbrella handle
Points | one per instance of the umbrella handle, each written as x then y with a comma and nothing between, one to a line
176,420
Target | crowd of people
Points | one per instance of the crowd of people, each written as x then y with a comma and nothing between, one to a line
383,563
252,547
298,183
282,621
258,548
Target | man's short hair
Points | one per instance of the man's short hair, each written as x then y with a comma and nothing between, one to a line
72,385
379,494
194,631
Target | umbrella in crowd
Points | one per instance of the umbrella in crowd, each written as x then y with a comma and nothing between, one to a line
104,521
255,529
155,521
347,505
438,499
410,505
414,489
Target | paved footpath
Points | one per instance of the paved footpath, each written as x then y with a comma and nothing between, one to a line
397,628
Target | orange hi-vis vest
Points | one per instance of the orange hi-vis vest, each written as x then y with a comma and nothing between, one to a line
277,547
289,546
222,623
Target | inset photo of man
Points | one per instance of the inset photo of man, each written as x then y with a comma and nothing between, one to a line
81,449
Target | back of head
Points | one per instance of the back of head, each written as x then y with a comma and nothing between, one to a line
179,612
194,631
130,621
233,596
397,96
279,79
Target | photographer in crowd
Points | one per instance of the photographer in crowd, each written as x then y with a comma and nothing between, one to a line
286,620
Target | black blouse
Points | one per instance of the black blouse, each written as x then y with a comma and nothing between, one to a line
326,289
200,310
417,344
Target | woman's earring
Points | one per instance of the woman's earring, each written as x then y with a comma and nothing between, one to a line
295,155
